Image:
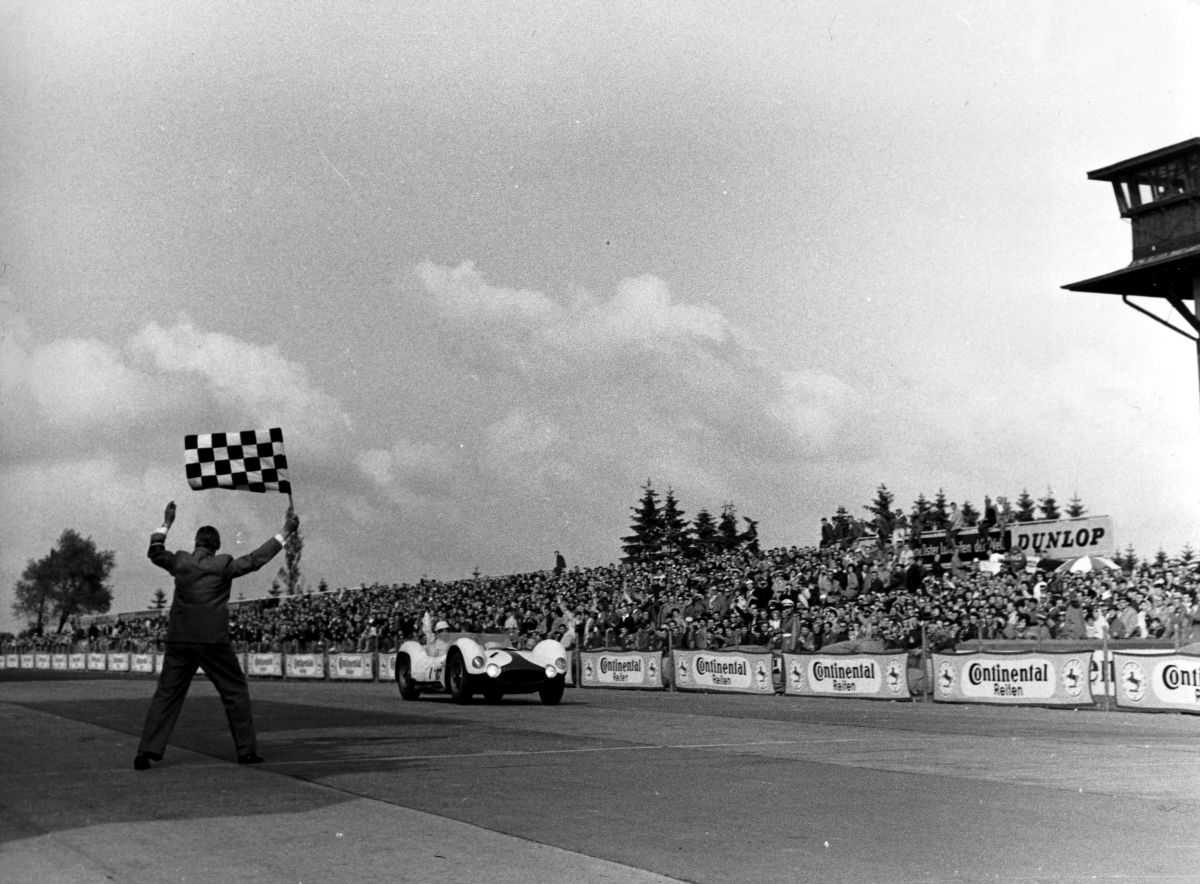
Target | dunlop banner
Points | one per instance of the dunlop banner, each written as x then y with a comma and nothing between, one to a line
304,665
355,666
269,664
58,661
118,661
1064,538
866,676
621,669
41,660
141,663
77,661
1019,678
743,672
97,660
1157,682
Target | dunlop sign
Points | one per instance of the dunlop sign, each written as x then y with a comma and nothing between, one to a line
621,669
1032,678
744,672
863,676
1064,539
1152,682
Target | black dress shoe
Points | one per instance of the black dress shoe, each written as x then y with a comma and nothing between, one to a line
252,758
141,761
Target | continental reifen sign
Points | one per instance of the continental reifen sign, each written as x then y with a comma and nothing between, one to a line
1035,678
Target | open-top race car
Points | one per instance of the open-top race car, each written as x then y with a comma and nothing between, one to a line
463,664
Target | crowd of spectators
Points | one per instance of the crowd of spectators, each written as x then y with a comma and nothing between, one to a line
864,597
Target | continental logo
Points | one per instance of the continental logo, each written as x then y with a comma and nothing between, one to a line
623,664
1175,676
714,666
836,671
981,673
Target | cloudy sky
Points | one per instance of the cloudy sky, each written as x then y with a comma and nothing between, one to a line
494,266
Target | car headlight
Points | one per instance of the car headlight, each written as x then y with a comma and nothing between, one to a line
551,671
560,664
477,663
493,670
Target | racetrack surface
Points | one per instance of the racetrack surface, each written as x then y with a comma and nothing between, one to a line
608,786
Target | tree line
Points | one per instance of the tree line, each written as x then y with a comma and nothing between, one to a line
660,529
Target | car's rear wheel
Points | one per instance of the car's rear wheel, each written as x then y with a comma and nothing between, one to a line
404,680
456,679
551,692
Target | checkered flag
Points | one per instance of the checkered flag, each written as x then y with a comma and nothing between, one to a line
252,460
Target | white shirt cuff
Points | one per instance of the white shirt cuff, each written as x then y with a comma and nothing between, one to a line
282,540
163,529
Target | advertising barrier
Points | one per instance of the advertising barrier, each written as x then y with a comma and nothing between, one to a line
143,663
621,669
1157,682
387,666
97,661
118,661
862,676
269,665
304,665
41,660
743,672
58,661
1018,678
77,661
351,666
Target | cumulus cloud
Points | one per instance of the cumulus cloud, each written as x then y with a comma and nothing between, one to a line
255,381
641,314
68,384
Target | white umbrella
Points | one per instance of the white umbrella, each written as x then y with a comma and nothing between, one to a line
1087,563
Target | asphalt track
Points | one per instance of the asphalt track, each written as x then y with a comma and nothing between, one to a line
608,786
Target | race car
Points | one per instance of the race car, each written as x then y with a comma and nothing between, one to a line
463,664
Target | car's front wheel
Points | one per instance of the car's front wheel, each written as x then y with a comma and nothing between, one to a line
457,680
551,692
404,680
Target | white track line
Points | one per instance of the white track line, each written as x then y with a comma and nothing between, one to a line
519,753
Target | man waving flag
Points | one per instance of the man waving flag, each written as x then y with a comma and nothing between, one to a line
250,460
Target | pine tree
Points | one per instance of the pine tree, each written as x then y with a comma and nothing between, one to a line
646,540
970,514
293,549
1160,558
1187,555
1049,505
159,600
941,510
1130,559
704,533
1025,507
277,584
727,527
676,536
921,517
1075,508
323,586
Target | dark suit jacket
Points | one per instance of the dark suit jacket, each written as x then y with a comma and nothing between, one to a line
203,579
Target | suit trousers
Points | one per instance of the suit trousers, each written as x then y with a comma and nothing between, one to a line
180,662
